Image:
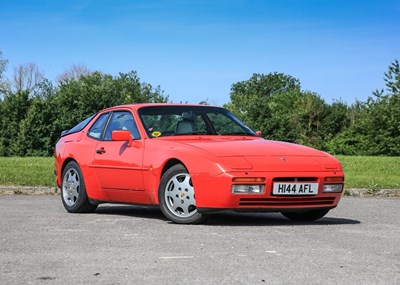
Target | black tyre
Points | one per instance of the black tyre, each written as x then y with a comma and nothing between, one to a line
73,192
308,216
176,196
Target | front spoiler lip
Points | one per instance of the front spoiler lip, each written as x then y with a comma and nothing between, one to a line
260,210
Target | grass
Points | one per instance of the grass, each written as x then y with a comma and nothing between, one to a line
371,172
368,172
27,171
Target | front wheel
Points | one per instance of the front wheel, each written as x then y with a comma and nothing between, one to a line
176,196
73,191
308,216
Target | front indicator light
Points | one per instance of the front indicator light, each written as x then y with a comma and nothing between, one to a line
248,179
247,189
333,180
333,188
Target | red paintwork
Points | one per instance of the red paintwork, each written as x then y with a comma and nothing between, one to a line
131,174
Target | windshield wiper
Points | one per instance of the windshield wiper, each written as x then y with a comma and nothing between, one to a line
192,134
237,134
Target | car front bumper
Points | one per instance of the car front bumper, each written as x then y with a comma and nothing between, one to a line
215,192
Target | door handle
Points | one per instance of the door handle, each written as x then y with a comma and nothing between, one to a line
100,151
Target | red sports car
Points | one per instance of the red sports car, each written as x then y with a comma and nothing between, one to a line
191,160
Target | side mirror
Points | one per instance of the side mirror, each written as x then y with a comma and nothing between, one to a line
122,135
259,134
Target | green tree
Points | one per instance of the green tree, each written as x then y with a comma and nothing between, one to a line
248,96
276,105
38,132
392,79
337,119
374,125
77,99
3,82
14,107
340,128
380,121
380,125
308,118
279,123
36,114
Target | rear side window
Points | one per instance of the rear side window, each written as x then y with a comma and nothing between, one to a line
97,129
79,127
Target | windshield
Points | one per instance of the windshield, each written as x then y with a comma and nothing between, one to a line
191,120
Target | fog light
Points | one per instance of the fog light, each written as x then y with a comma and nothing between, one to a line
247,189
330,188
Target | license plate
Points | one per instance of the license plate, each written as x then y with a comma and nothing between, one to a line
295,189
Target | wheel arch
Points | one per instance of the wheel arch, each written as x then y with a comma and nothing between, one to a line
196,169
171,162
63,165
74,195
66,161
167,165
178,212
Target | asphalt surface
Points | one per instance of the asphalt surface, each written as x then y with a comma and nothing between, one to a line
40,243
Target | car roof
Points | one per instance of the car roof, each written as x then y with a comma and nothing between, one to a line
137,106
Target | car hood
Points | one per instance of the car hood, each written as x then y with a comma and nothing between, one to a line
259,154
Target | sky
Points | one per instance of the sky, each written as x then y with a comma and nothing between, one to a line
196,49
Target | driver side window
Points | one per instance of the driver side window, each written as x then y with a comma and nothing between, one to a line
121,120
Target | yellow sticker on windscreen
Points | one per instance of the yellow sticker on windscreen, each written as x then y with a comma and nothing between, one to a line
156,134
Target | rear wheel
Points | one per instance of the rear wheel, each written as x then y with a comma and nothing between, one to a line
176,196
306,216
73,191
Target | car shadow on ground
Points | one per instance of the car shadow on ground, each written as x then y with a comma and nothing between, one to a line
222,219
146,212
270,219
